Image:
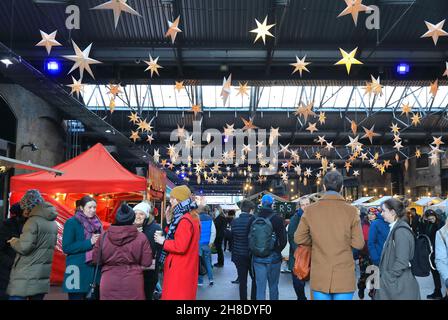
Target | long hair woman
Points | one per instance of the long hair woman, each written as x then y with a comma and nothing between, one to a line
396,279
180,254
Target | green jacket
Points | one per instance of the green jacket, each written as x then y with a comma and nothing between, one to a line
30,274
292,227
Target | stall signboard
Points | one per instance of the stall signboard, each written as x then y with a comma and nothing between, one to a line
285,209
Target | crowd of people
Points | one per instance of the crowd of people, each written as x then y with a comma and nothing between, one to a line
130,259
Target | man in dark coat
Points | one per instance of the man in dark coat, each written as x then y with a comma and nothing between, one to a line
220,224
11,228
240,253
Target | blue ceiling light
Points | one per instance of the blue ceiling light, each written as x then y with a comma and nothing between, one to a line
53,66
403,69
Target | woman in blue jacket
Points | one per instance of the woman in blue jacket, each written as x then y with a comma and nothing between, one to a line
81,232
378,232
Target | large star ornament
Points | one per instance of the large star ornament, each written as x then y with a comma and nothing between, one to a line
262,30
117,6
353,8
348,59
173,29
82,60
153,65
48,41
435,31
300,65
77,87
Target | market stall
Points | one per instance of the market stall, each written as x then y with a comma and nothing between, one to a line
422,204
94,172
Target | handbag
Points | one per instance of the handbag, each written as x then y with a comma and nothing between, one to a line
302,264
202,267
91,294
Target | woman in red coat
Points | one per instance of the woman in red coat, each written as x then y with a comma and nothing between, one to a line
125,253
181,248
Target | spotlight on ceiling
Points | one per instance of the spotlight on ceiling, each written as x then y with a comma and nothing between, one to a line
7,62
52,66
403,69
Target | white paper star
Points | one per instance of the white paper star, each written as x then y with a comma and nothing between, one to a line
82,60
48,41
117,6
262,30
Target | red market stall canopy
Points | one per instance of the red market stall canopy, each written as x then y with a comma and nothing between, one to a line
94,171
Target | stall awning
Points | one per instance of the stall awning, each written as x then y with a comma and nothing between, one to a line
361,201
94,171
378,202
426,201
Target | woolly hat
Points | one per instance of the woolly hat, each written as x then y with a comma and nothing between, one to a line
31,199
267,200
125,215
144,207
180,193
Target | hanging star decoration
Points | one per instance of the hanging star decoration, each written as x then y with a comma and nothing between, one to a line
435,31
418,154
305,111
437,141
179,86
374,87
118,6
406,109
82,60
153,65
135,136
243,89
354,143
248,124
356,173
226,89
329,146
196,109
395,129
144,126
173,29
150,139
321,140
229,130
134,118
354,127
416,119
312,127
445,74
300,65
434,88
77,87
348,59
112,105
48,41
354,7
114,90
262,30
370,134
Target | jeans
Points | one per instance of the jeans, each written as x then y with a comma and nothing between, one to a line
35,297
206,253
243,265
267,270
332,296
218,246
299,287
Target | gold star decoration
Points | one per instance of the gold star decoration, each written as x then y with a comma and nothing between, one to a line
445,74
370,134
179,86
435,31
196,109
376,87
353,8
143,125
229,130
322,117
305,111
82,60
173,29
395,128
300,65
248,124
418,154
312,127
434,88
354,127
135,136
437,141
77,87
153,65
114,90
243,89
416,119
117,6
406,109
112,105
48,41
134,118
348,59
347,166
262,30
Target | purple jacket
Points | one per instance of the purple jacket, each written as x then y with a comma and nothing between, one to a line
124,255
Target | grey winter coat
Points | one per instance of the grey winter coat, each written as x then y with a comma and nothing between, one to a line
396,279
30,274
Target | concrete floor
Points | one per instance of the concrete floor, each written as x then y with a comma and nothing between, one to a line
223,289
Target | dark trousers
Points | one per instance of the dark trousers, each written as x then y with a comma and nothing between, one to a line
243,267
299,287
218,246
77,296
436,277
151,278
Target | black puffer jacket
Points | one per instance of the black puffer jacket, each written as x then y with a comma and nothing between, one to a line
8,229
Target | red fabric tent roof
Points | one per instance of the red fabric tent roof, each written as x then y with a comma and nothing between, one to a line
94,171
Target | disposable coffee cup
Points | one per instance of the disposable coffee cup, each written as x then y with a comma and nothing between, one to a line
159,233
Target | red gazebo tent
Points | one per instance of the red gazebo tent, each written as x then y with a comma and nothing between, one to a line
93,172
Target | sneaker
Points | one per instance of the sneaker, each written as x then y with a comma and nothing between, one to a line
237,281
211,283
361,294
217,265
435,296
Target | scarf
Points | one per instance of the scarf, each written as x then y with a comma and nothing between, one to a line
91,226
178,212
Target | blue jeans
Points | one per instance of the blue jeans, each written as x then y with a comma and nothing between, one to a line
35,297
267,270
332,296
206,253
